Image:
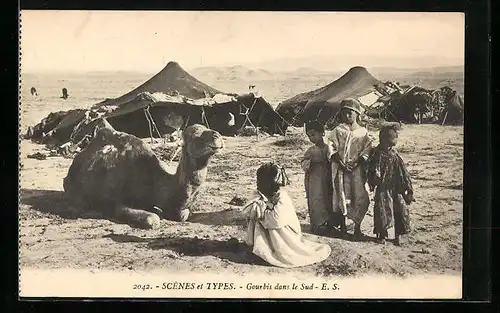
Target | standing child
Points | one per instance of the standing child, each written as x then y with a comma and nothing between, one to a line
317,180
387,175
351,149
274,232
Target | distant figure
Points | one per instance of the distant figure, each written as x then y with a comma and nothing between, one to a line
65,93
251,87
33,92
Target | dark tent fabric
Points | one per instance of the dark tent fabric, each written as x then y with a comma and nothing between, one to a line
262,114
353,84
133,118
291,109
419,105
323,103
130,117
455,109
173,78
57,125
405,107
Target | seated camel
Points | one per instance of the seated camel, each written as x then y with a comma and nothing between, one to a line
117,173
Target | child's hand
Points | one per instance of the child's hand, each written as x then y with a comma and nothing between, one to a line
408,197
352,165
348,167
356,163
343,166
336,158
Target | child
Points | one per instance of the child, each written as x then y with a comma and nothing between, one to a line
317,180
274,230
387,175
351,148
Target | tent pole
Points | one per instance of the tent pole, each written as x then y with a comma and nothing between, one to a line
149,125
154,124
186,123
204,117
281,130
444,118
247,118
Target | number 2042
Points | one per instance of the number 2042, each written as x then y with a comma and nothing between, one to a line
142,287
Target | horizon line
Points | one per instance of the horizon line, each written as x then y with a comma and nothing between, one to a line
139,71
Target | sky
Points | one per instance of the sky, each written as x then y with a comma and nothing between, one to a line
146,40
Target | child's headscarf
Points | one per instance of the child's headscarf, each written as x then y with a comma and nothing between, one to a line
271,177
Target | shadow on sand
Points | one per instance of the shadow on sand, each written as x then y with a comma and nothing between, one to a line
49,201
231,250
55,202
306,228
226,217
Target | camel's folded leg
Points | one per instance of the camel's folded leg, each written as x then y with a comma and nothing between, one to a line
138,218
179,216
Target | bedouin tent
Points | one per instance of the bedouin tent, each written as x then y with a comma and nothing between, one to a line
58,127
171,80
191,104
160,103
322,104
154,115
454,110
419,105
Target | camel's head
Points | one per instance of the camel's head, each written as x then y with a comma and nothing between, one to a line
200,144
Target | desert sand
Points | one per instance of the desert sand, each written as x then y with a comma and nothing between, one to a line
51,236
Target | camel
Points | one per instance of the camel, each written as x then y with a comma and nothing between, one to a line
118,174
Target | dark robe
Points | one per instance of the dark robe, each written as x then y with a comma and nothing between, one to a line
389,178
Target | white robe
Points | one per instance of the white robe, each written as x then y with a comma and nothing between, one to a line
350,195
275,235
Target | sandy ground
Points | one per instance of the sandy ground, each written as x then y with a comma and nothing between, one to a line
51,236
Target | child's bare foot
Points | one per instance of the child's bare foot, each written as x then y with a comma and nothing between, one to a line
339,232
381,237
358,235
399,240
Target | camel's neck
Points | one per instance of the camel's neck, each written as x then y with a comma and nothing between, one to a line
187,176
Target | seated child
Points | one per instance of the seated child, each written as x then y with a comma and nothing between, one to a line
388,177
274,232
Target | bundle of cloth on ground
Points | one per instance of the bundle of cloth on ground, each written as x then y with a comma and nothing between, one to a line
208,101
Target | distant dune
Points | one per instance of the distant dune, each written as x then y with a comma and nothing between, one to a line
275,85
431,78
237,72
455,71
342,63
